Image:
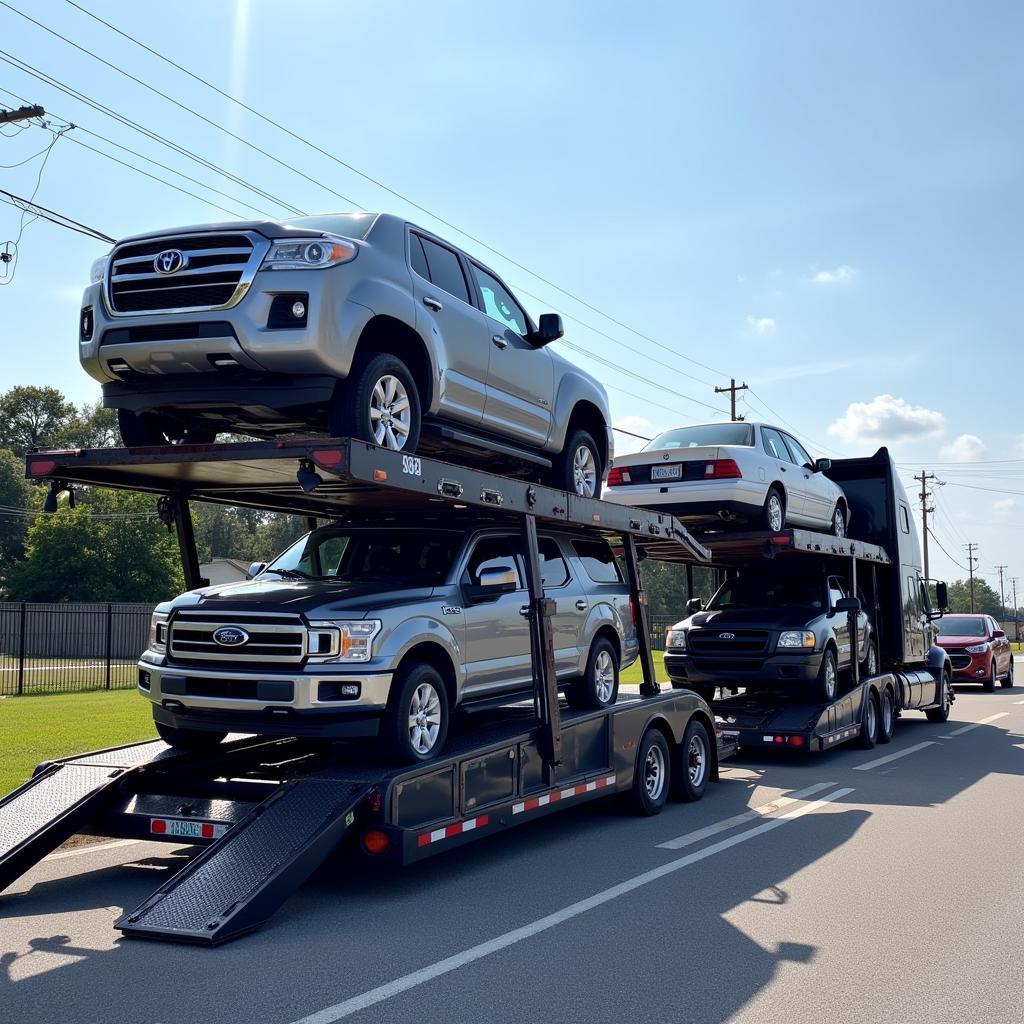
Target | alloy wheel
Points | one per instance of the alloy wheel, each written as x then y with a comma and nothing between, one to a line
424,718
584,471
604,676
830,678
839,522
390,413
776,517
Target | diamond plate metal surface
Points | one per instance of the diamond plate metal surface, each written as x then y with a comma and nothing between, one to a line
129,757
246,859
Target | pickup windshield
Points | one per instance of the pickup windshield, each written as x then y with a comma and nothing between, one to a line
419,558
697,437
756,592
961,625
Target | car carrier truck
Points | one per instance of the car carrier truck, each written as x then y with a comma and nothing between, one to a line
267,810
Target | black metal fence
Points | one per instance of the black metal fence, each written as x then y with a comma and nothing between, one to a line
64,648
658,628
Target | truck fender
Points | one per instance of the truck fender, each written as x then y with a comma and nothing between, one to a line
423,629
574,388
938,662
601,613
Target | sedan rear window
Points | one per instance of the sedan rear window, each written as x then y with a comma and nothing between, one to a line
696,437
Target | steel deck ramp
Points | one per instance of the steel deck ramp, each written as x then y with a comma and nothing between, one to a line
233,886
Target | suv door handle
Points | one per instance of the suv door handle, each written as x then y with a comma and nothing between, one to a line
431,303
525,611
499,341
581,605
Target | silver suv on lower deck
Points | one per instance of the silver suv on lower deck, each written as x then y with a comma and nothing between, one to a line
382,629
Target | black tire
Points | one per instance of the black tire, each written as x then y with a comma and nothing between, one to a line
564,473
989,686
869,667
826,686
652,777
1007,681
417,692
838,521
593,690
869,723
693,762
351,409
941,713
771,514
886,717
189,739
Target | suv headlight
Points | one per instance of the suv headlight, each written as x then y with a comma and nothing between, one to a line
158,632
977,649
797,638
342,641
675,640
98,271
309,253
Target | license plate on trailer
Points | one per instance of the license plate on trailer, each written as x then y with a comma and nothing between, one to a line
186,828
667,472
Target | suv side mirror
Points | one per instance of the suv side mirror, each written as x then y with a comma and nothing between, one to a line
848,604
822,465
694,605
942,596
494,581
255,569
998,634
548,330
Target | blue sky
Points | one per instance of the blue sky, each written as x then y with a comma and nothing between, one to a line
824,201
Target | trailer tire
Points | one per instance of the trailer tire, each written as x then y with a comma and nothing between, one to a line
598,687
826,686
941,713
869,723
886,717
989,686
415,724
692,767
1007,681
189,739
352,408
652,776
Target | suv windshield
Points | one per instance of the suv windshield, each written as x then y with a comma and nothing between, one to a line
348,225
403,557
961,625
709,434
759,592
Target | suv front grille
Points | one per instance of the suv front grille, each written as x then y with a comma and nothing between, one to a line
728,642
216,274
960,660
273,639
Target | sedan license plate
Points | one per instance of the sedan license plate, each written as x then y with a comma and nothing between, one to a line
667,472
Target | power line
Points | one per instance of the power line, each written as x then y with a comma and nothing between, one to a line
945,552
56,218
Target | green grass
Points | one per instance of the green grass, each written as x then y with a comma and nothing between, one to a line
38,728
43,675
634,676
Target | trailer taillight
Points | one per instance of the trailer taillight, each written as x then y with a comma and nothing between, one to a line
376,842
796,741
722,469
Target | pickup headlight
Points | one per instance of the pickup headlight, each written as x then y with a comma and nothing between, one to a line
977,649
675,640
797,639
158,632
98,271
309,253
342,641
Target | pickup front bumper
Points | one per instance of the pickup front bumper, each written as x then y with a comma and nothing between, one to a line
777,671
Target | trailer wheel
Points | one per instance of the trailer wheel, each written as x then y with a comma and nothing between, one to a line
692,767
869,723
598,687
941,713
416,722
827,683
652,777
989,686
378,403
189,739
1007,680
886,717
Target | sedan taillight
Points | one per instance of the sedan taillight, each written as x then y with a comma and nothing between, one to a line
617,476
722,469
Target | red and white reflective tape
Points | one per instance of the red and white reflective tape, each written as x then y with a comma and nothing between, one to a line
562,794
845,734
452,830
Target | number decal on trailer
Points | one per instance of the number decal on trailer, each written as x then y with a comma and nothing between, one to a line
411,465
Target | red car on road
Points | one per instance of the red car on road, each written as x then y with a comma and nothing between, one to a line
978,650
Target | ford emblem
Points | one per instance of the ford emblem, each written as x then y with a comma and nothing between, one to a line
170,261
721,636
230,636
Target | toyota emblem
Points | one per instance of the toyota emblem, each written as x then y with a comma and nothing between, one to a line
230,636
170,261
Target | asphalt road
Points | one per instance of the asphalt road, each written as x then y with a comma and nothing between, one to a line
869,892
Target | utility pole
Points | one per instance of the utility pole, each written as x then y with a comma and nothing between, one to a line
1002,596
972,560
21,114
924,496
1014,580
732,389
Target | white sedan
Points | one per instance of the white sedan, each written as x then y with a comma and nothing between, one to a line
731,472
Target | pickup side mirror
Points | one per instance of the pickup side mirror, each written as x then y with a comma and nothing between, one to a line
255,568
694,605
549,329
494,581
998,634
942,596
822,465
848,604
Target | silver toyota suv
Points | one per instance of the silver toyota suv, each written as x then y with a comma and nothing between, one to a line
382,629
354,324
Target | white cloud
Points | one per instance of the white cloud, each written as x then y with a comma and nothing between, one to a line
965,448
626,445
1004,506
886,419
761,324
843,274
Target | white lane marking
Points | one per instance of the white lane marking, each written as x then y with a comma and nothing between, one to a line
393,988
1018,702
689,838
91,848
974,725
893,757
